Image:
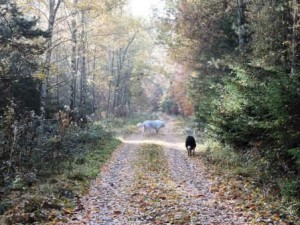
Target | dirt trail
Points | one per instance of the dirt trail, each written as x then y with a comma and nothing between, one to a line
126,193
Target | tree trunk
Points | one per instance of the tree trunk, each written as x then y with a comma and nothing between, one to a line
241,25
294,35
117,88
93,85
53,7
111,68
83,75
73,60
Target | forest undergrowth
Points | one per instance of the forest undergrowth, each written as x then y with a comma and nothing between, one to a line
54,193
261,190
56,187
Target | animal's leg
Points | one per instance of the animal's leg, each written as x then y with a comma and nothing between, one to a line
144,130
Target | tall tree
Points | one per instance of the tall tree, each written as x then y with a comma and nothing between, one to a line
83,64
74,61
241,25
295,48
21,46
52,14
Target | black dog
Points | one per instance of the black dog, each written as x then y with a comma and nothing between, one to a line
190,145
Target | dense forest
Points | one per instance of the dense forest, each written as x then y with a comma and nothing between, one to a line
243,61
66,63
68,68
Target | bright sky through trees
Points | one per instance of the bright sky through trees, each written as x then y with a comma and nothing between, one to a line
144,8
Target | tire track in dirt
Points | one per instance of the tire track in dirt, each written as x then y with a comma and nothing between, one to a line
191,177
108,194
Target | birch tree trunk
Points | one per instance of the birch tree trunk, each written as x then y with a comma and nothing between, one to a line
74,67
111,57
83,69
53,8
93,85
117,88
122,54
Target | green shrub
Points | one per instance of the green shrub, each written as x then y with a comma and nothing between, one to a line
245,171
295,153
18,183
78,175
217,153
291,189
3,207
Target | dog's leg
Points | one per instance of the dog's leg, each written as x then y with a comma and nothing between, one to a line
189,150
144,130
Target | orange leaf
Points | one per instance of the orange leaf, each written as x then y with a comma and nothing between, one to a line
68,211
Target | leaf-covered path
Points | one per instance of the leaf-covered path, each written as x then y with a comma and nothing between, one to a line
151,180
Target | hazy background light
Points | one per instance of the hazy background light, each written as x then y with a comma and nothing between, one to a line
143,8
